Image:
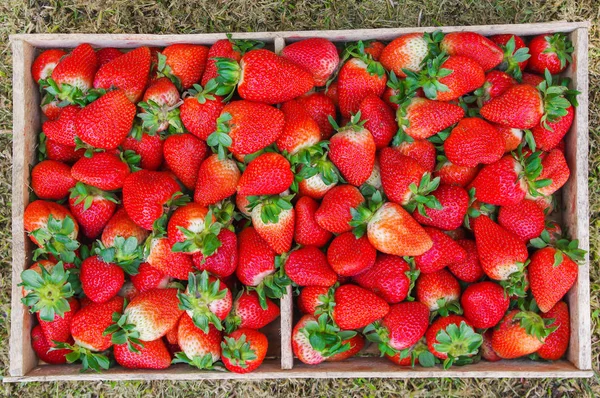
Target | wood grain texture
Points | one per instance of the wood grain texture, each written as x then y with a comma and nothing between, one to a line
287,309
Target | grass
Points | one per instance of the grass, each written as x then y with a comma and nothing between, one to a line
125,16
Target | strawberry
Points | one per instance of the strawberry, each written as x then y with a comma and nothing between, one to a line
73,76
45,63
128,72
59,328
487,352
52,228
43,348
52,150
469,270
184,64
317,56
352,150
474,46
149,278
308,266
121,225
149,355
159,106
315,174
548,138
532,79
103,170
520,333
146,193
161,256
268,174
334,213
374,48
390,278
496,84
525,219
248,313
51,109
226,48
399,173
415,355
92,208
356,344
314,340
512,137
245,127
148,147
101,278
312,297
552,272
407,52
217,180
379,120
447,78
521,106
62,129
51,180
554,169
443,252
403,326
244,350
516,53
474,141
224,261
306,230
198,349
454,203
348,255
192,229
421,118
453,340
300,130
451,174
206,301
439,291
319,107
358,78
184,154
423,151
105,122
484,304
200,110
550,52
263,76
498,261
273,218
352,307
107,54
557,342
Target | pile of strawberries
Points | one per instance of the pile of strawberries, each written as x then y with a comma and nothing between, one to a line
405,190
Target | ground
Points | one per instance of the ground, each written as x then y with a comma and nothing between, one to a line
181,16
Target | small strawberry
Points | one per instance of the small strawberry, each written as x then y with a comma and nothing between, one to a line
520,333
443,251
308,266
496,84
550,52
192,228
390,278
51,180
227,48
454,202
103,170
349,256
320,107
453,340
183,155
121,225
474,46
44,348
101,278
408,52
217,180
244,350
525,219
161,256
474,141
374,48
107,54
149,278
273,218
312,297
184,64
200,110
487,352
159,107
379,120
317,55
334,213
516,54
62,129
300,130
45,63
148,147
59,329
49,149
532,79
306,230
484,304
416,355
92,208
469,270
452,174
149,355
314,340
421,118
199,349
247,312
352,307
439,291
555,170
268,174
315,174
549,137
557,342
128,72
423,151
224,261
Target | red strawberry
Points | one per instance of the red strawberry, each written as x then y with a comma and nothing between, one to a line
474,141
183,63
496,83
148,147
318,56
90,322
333,94
439,291
358,78
159,106
107,54
273,218
454,203
350,256
268,174
516,53
421,118
484,304
184,154
555,169
552,52
75,70
106,122
121,225
405,52
500,183
452,338
62,130
248,313
45,63
244,350
451,174
200,111
352,150
174,264
319,107
103,170
190,229
308,266
198,349
128,72
51,110
521,106
224,261
51,180
334,213
355,307
512,137
532,79
398,173
92,208
389,278
498,261
217,179
474,46
423,151
312,297
145,193
548,138
379,119
525,219
59,329
59,152
356,344
487,352
557,342
226,48
43,348
444,251
101,280
149,278
469,270
150,355
374,48
519,333
300,130
306,230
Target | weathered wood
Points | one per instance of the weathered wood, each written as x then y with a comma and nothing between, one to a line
287,313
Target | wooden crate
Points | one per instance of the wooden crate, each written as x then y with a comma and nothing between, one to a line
281,363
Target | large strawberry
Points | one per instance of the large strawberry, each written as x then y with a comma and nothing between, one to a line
244,350
516,54
51,180
92,208
352,307
555,172
317,55
520,333
454,203
217,180
160,255
268,174
334,213
379,120
468,270
525,219
474,46
148,146
44,348
224,261
44,64
407,52
550,52
120,225
474,141
62,129
403,178
390,278
103,170
308,266
273,218
183,155
149,355
423,151
247,312
183,63
73,76
439,291
549,137
160,107
128,72
422,118
192,228
453,340
484,304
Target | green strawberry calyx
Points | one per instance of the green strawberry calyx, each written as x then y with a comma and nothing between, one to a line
57,238
220,141
87,194
47,292
314,161
362,214
164,70
243,46
512,59
229,74
419,352
458,342
326,338
196,300
377,333
238,351
429,77
517,283
270,206
531,169
477,208
89,359
205,241
561,46
154,116
446,307
65,94
204,362
123,332
534,324
562,247
420,195
357,50
557,98
274,285
126,253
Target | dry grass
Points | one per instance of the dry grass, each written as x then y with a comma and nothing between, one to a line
258,15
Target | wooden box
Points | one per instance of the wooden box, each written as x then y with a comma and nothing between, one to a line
281,363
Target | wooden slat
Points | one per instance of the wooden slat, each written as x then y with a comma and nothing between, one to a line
287,309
